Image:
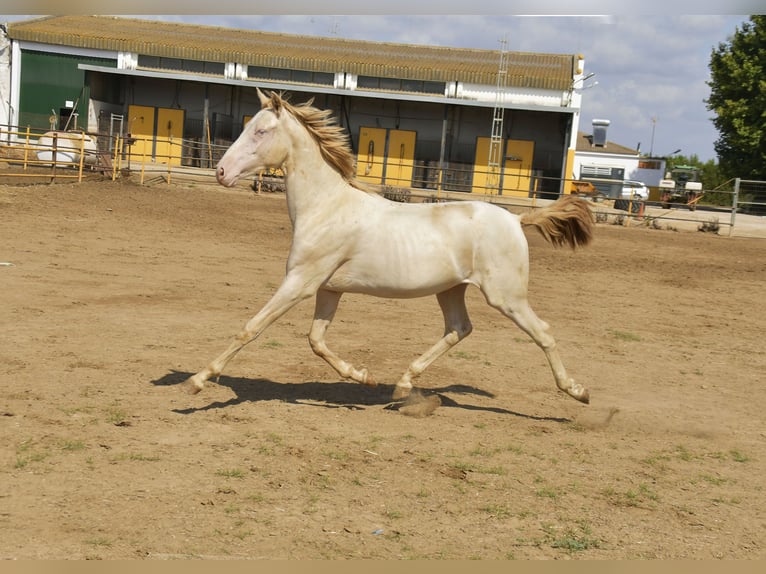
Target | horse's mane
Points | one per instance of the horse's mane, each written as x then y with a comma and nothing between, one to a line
333,140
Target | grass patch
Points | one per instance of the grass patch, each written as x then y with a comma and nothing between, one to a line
683,453
336,455
25,454
101,542
547,492
575,542
230,473
465,356
738,456
466,467
136,456
73,445
714,480
572,539
117,417
625,336
497,510
644,496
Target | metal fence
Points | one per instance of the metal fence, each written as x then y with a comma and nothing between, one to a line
71,155
53,154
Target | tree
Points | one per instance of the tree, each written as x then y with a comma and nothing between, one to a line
738,99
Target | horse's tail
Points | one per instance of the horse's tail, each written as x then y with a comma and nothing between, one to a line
568,221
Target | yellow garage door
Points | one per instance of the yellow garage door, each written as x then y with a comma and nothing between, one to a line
141,129
159,140
516,172
372,153
400,158
169,135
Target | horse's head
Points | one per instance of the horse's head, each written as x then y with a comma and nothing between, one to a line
261,145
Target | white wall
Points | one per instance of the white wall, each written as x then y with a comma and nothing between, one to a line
5,79
651,177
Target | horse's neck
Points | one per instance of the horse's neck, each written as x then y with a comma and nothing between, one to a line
312,186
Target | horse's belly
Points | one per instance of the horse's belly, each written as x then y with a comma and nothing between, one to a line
399,281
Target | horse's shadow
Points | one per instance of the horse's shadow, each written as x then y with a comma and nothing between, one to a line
339,394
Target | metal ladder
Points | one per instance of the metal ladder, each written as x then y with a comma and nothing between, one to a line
496,140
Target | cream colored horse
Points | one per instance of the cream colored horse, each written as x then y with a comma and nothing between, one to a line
346,239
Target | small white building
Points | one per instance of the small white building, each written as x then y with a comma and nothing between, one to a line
607,164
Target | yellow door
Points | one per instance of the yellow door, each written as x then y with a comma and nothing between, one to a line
400,158
517,168
372,152
170,132
481,172
517,172
141,129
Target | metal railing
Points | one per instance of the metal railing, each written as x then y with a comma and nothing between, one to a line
70,155
51,154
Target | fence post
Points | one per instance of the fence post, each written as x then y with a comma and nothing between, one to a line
26,150
53,156
143,162
734,202
115,156
82,156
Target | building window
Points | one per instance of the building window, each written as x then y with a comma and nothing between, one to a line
285,75
179,65
397,85
649,164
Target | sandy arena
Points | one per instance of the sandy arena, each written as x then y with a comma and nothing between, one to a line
112,293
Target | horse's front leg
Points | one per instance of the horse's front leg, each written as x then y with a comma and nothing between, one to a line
294,289
326,305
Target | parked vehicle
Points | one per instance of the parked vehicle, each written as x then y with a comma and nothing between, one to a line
634,193
634,190
681,185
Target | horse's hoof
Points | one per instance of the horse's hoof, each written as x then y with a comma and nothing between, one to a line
369,380
190,387
401,393
583,397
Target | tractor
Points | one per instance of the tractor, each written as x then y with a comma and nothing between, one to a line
681,185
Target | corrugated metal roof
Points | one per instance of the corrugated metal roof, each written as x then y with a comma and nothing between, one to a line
296,52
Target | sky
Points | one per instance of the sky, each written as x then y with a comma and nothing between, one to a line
650,69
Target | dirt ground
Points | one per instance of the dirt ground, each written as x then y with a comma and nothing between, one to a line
111,293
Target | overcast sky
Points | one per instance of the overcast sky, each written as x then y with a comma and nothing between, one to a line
646,66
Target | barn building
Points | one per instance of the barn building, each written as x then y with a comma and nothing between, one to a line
467,120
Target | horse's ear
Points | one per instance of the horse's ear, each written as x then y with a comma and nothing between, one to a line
264,100
276,103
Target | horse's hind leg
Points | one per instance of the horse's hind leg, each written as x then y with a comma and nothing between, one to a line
521,313
457,326
326,305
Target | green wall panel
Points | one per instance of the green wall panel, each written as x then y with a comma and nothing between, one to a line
48,81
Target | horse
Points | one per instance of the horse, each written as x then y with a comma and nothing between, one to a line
346,238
